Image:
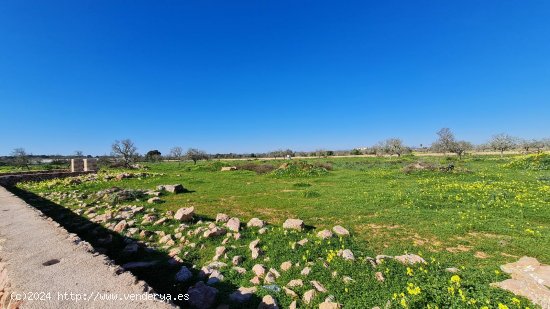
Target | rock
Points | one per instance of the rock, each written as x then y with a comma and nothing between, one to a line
259,270
148,218
274,272
269,278
237,260
305,271
154,200
239,270
302,242
268,302
530,279
324,234
290,292
340,231
292,305
183,274
253,244
222,218
185,214
379,276
202,296
256,252
177,188
242,294
293,224
262,231
308,296
286,265
410,259
119,227
318,286
295,283
255,222
347,279
451,270
234,224
217,231
165,239
228,168
346,255
160,221
255,280
219,252
215,277
329,305
174,252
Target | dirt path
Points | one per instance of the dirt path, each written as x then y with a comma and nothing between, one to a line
43,261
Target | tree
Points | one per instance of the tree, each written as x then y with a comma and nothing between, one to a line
78,153
196,155
461,147
176,153
393,146
126,150
20,157
153,156
445,141
502,142
356,152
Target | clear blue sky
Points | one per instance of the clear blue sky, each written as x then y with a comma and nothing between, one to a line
251,76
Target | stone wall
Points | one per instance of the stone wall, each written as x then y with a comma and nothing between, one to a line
13,179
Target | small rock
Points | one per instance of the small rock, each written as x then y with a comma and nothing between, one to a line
346,255
119,227
222,218
410,259
255,222
329,305
308,296
234,224
379,276
237,259
293,224
185,214
268,302
305,271
318,286
324,234
259,270
154,200
202,296
452,269
286,265
214,232
290,292
239,270
177,188
255,280
340,231
242,294
295,283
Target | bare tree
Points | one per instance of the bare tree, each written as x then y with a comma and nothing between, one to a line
176,153
196,155
78,153
502,142
461,147
393,146
20,157
126,150
445,141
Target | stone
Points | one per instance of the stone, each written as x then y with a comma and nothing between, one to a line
119,227
255,280
410,259
219,252
160,221
215,277
177,188
295,283
202,296
234,224
185,214
253,244
308,296
256,252
165,239
324,234
269,278
217,231
346,255
340,231
130,249
239,270
286,265
379,276
451,270
530,279
255,222
242,294
183,274
318,286
262,231
222,218
259,270
148,218
268,302
290,292
293,224
305,271
237,260
329,305
228,168
293,305
303,242
154,200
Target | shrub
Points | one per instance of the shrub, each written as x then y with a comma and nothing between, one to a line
258,168
299,169
539,161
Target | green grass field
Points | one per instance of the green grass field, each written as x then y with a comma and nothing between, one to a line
486,212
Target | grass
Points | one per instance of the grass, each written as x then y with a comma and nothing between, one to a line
486,212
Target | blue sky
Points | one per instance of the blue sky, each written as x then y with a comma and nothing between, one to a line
252,76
